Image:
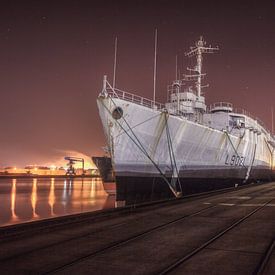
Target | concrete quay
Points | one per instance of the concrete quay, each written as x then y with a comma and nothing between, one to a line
229,232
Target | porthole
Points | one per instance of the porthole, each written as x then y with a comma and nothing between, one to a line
117,113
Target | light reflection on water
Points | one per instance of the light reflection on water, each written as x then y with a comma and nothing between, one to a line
34,199
52,197
24,200
13,199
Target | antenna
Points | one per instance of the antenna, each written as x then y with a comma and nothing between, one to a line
155,66
176,67
114,74
272,120
197,51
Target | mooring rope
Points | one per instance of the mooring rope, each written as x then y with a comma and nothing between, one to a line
171,154
248,168
235,149
271,152
141,147
140,123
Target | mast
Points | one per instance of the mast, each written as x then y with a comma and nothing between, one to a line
198,51
272,120
114,74
176,67
199,64
176,82
155,66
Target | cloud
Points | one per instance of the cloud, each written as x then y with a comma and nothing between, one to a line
58,160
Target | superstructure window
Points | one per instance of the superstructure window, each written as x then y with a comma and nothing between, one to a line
237,122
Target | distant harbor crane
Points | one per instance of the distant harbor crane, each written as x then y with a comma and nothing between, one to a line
70,164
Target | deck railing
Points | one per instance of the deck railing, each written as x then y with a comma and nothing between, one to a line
248,114
221,105
117,93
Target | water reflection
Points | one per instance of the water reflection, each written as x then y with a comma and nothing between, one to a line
32,199
70,186
93,190
14,217
64,195
51,198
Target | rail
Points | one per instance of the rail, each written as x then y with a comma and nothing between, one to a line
117,93
208,242
221,106
248,114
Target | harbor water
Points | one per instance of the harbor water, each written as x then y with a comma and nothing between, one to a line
25,200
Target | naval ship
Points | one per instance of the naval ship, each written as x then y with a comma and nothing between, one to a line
183,146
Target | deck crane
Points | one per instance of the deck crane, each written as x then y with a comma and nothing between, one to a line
70,164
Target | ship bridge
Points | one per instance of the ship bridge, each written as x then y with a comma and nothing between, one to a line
183,100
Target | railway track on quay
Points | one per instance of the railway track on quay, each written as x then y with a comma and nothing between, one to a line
164,238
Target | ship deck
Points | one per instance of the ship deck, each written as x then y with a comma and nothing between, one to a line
229,232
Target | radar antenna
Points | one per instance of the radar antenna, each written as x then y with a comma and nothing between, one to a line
199,49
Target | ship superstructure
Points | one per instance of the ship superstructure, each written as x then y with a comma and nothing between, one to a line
183,146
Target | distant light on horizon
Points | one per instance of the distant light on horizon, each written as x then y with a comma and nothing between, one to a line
58,161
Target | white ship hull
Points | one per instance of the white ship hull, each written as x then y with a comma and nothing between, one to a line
205,158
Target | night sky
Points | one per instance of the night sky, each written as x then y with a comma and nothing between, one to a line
53,55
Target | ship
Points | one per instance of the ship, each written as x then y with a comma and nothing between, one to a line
182,147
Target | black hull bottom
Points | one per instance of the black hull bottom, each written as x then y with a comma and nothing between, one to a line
131,190
104,165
